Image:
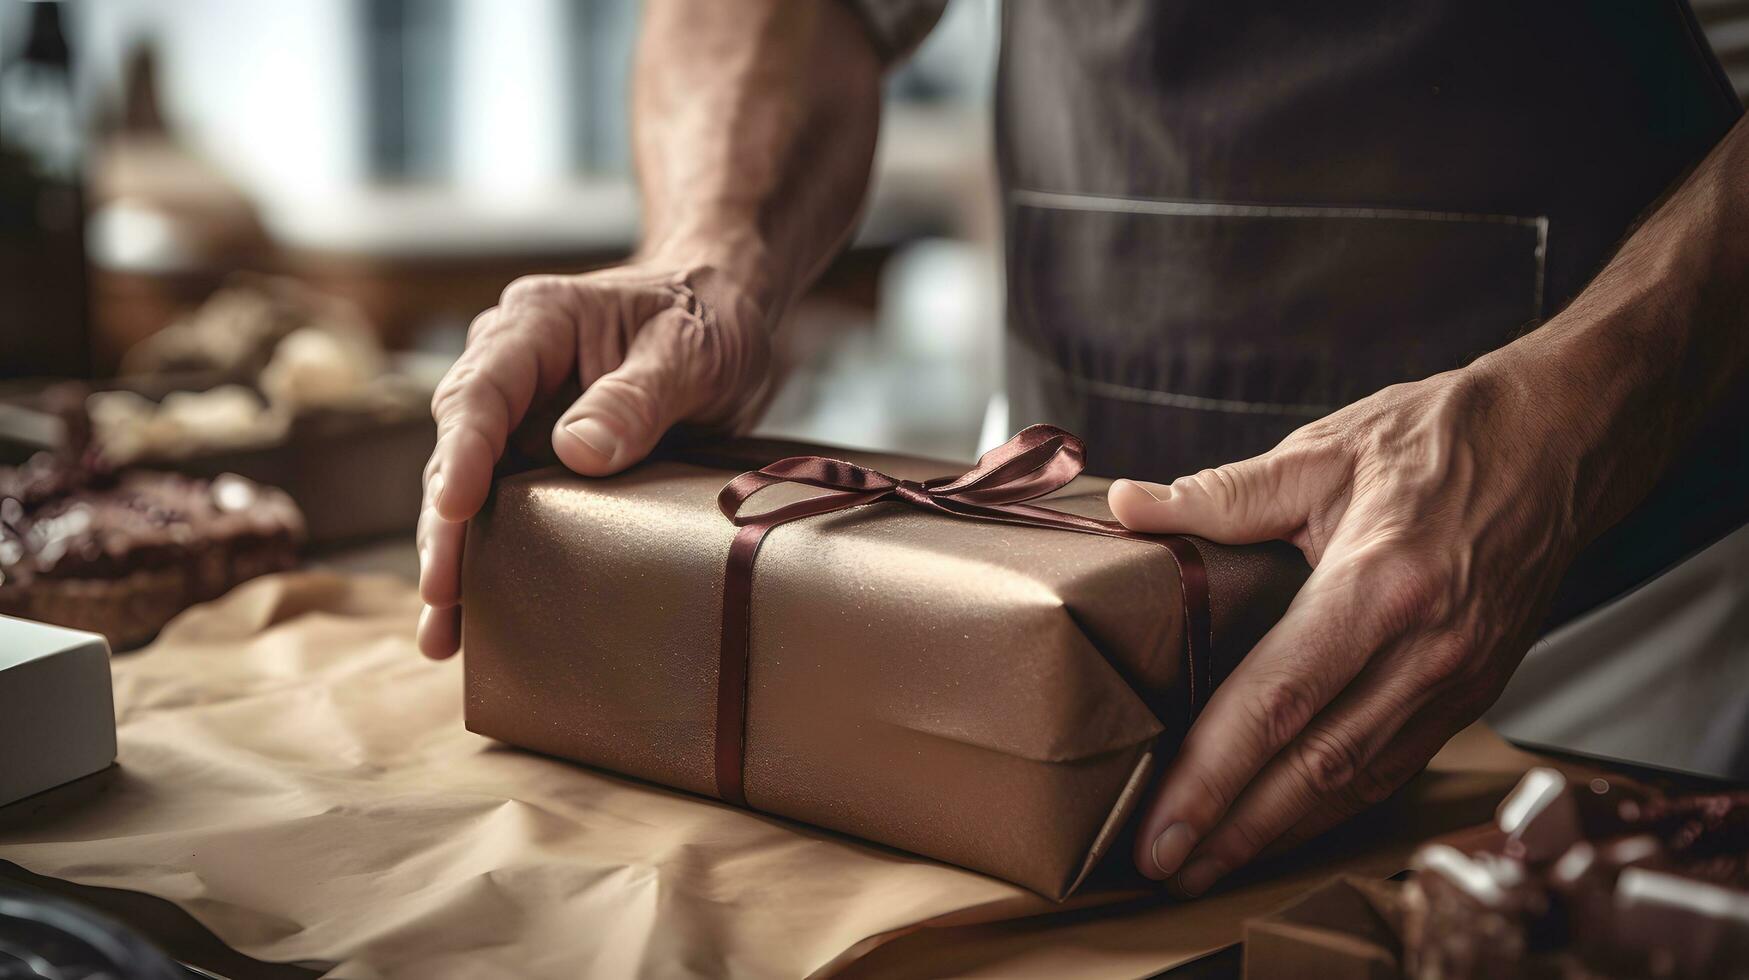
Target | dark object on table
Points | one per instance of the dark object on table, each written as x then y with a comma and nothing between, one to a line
1603,878
121,553
43,316
43,937
982,693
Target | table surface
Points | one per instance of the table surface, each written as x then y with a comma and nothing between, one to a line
397,556
990,949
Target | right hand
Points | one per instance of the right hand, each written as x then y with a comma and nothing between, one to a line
649,345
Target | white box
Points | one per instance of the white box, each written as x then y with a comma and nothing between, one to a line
57,712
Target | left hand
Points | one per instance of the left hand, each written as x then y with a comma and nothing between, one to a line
1438,517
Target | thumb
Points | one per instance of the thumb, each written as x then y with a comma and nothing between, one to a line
621,415
1257,499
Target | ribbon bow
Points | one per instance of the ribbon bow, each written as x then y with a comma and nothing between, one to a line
1039,460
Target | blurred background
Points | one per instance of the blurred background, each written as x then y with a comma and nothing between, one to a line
258,231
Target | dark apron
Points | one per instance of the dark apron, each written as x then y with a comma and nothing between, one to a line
1228,219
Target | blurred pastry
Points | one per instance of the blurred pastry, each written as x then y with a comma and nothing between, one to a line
120,554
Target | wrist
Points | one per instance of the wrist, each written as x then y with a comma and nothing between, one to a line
1592,405
734,255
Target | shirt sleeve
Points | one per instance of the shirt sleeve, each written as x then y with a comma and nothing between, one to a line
897,26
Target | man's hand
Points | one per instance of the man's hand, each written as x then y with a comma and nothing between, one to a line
1438,517
753,126
649,345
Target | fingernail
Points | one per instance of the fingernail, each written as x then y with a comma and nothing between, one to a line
1172,846
1200,875
594,435
433,487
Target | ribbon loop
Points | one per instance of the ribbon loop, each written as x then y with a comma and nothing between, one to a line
1039,460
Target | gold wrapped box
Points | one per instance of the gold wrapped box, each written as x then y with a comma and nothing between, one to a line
932,670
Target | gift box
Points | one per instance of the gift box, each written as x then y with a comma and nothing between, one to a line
57,718
976,666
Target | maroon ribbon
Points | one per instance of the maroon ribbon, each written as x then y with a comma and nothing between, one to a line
1037,461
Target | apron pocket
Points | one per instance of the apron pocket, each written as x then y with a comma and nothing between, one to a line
1290,310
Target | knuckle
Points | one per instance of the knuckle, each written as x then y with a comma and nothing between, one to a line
1327,761
1239,492
690,337
533,289
1405,589
1219,484
1214,792
452,388
1204,791
1319,435
634,398
1281,708
1242,840
483,326
469,395
712,358
1450,656
1368,788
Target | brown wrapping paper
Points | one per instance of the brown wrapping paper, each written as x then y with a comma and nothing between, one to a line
295,779
1346,930
984,694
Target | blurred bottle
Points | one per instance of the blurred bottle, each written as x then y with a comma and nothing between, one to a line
166,225
43,319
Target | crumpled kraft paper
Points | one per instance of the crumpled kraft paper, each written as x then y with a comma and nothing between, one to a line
296,778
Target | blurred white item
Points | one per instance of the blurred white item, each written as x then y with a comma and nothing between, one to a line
995,430
939,300
921,380
958,59
57,713
589,215
223,417
120,421
239,326
510,98
127,427
318,368
1658,677
137,237
157,204
159,207
270,93
940,324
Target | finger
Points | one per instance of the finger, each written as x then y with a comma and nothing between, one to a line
440,559
1328,633
512,355
1258,499
1400,761
440,632
1329,769
618,419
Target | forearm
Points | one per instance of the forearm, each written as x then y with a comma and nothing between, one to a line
754,130
1621,378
